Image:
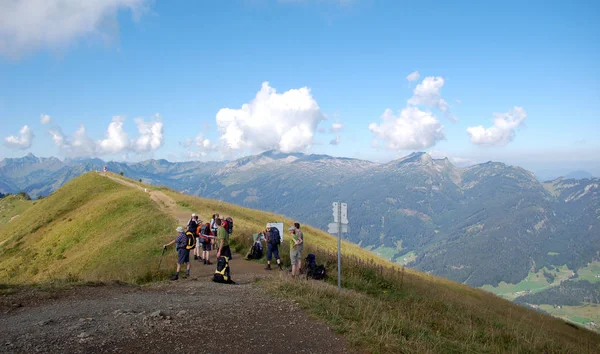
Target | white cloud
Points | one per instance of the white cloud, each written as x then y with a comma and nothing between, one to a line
284,121
412,129
45,119
116,139
336,127
427,93
151,135
503,130
21,142
414,76
199,147
29,25
335,141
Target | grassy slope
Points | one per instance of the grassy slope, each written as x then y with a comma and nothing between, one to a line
12,205
386,309
92,228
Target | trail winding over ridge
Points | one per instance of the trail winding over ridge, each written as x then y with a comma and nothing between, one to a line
191,315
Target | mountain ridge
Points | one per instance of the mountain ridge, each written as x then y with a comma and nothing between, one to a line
452,221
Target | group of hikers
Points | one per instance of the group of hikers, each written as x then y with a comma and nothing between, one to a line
201,238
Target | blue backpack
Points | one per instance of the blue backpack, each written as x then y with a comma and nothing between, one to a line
275,237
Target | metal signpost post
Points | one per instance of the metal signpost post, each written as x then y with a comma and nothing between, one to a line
339,226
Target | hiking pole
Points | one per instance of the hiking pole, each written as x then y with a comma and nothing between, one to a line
161,257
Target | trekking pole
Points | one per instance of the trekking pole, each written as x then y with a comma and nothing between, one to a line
161,258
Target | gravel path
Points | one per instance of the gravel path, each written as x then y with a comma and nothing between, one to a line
190,316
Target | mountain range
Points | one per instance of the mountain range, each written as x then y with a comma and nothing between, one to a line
484,224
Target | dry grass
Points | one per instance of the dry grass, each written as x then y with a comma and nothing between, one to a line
378,315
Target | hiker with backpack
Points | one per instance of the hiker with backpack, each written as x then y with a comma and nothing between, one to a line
205,240
183,246
223,237
191,227
273,240
227,223
295,251
214,227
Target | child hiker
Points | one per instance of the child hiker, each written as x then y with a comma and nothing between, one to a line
183,254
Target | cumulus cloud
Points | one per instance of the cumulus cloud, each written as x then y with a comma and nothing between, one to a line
284,121
412,129
335,141
503,130
29,25
336,127
45,119
414,76
427,93
199,147
21,142
116,139
151,135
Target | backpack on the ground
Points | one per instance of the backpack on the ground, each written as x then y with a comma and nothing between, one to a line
275,238
222,273
229,224
191,240
319,273
313,270
256,252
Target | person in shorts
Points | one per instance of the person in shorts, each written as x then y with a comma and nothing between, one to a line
272,250
300,247
223,237
295,251
206,244
183,254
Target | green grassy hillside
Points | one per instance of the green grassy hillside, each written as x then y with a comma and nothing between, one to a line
11,206
94,228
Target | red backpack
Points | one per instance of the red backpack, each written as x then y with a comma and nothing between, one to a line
224,224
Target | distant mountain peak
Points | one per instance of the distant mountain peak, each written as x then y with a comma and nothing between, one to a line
415,157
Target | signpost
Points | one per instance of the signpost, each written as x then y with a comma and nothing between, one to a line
339,226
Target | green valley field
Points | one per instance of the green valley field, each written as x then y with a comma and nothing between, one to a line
101,228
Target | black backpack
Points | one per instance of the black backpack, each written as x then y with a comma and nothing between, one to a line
229,225
222,273
275,238
192,226
319,273
256,252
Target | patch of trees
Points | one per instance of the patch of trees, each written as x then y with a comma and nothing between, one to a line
22,195
569,293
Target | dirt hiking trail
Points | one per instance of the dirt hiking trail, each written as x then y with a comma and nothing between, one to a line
191,315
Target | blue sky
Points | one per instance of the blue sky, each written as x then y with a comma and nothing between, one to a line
535,64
